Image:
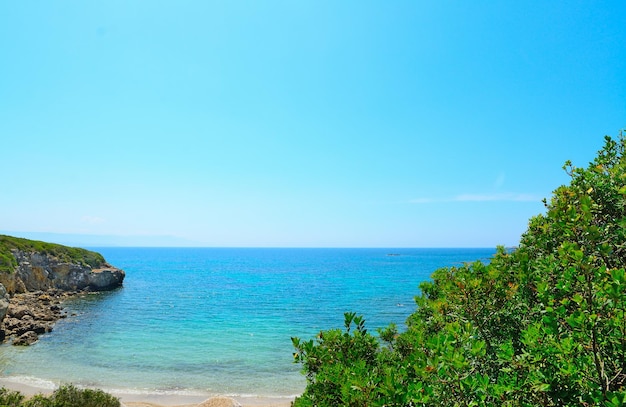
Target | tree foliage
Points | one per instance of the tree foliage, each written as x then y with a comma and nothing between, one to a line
541,325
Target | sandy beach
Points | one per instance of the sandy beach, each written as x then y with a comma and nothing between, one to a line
162,399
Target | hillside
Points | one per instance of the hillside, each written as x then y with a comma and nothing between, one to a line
8,262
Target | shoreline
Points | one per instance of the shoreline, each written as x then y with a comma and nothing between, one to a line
38,304
155,398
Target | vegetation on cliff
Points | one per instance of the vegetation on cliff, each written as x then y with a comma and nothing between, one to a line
62,253
543,324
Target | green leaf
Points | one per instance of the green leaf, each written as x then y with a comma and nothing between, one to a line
577,298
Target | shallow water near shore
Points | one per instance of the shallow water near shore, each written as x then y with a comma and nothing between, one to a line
200,321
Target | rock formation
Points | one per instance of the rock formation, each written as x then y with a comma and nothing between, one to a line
42,271
34,279
4,302
32,314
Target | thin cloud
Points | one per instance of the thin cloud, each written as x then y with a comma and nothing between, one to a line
496,197
481,198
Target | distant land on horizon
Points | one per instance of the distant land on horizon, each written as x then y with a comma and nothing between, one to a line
85,240
94,241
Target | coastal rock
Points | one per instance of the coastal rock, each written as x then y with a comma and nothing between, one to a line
19,311
104,279
26,339
34,278
32,314
4,302
219,402
41,271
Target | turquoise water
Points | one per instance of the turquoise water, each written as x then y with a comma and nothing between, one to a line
219,321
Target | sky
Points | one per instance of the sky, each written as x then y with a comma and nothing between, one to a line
300,123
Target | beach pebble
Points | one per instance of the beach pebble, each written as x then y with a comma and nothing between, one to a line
219,402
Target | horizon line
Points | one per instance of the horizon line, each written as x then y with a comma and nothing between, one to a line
172,242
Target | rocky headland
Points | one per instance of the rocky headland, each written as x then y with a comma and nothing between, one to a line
36,277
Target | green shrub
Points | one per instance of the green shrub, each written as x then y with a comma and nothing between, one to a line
337,363
71,396
39,401
9,398
64,396
542,325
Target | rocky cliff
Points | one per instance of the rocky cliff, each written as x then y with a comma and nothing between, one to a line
30,268
37,271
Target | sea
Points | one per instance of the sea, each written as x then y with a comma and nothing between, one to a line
220,320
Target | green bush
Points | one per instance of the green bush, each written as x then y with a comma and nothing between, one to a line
64,396
542,325
39,401
70,396
332,364
9,398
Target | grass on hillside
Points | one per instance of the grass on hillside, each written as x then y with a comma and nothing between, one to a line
62,253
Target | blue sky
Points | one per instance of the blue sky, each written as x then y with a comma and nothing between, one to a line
300,123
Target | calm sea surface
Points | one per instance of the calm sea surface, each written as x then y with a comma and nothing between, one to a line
200,320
